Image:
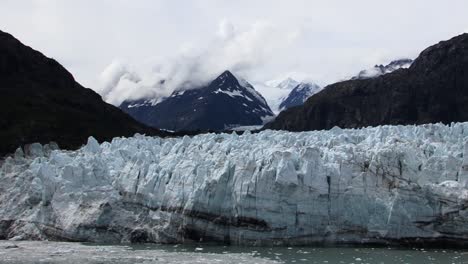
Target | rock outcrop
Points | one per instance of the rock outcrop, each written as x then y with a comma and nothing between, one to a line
434,89
391,184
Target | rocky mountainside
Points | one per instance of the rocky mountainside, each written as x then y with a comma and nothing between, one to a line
390,184
434,89
225,103
379,70
41,102
299,95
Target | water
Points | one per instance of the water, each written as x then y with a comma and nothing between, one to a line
71,253
334,255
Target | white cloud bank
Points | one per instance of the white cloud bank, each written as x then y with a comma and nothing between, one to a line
230,49
337,38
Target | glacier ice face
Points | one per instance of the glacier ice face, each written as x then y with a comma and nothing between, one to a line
373,185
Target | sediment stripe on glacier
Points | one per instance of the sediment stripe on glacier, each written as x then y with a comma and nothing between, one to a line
389,184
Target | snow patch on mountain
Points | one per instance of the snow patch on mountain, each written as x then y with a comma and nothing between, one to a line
231,93
288,83
150,102
249,87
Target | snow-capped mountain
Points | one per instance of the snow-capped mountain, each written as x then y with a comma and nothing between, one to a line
299,95
225,103
287,84
379,70
277,91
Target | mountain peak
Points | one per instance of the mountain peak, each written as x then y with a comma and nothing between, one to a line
226,75
299,95
288,84
225,80
379,70
224,103
442,52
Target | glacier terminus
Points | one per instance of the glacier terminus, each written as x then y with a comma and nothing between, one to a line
384,185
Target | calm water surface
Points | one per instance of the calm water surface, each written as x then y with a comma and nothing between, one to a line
71,253
331,255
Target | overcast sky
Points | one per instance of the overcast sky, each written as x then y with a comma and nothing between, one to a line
260,39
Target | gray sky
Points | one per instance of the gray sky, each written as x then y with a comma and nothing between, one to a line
259,39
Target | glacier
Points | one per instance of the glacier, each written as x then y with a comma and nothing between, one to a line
388,184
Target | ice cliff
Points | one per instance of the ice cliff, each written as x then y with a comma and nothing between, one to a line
375,185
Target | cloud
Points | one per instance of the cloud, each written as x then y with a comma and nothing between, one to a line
242,52
119,82
332,39
226,29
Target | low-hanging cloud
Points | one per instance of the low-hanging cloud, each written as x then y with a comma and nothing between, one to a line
196,65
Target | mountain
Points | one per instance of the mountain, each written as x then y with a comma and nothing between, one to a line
287,84
434,89
41,102
299,95
379,70
284,94
225,103
275,91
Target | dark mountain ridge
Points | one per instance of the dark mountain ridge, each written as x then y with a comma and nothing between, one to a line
434,89
379,70
41,102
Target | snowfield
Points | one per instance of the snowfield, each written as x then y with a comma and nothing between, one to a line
374,185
